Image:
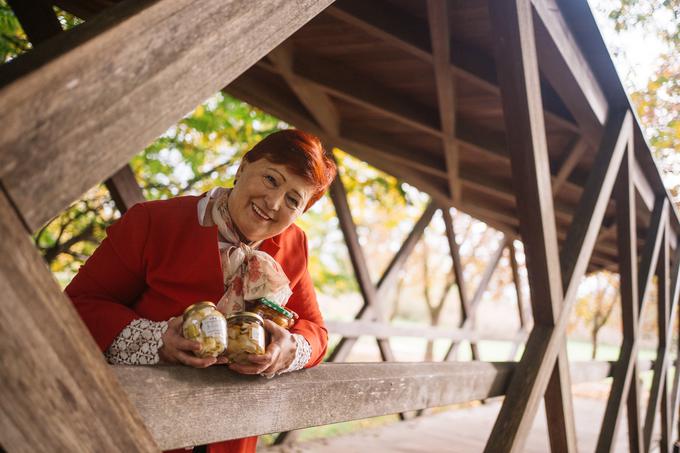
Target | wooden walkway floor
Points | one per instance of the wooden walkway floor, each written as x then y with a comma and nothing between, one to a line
461,431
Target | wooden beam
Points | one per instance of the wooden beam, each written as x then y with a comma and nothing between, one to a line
366,286
588,216
316,101
124,189
625,383
628,271
150,45
166,394
409,35
360,90
466,309
438,19
667,303
56,391
525,128
469,320
386,282
567,166
521,309
659,377
568,71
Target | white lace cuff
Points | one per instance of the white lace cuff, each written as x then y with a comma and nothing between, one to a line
302,354
137,344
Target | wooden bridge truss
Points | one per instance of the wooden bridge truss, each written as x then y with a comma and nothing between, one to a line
77,107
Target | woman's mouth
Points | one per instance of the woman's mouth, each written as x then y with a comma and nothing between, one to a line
260,213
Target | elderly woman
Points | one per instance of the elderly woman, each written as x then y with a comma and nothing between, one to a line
163,256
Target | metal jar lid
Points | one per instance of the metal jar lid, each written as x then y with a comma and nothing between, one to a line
197,306
245,315
276,307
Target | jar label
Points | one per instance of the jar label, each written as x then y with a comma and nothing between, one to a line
214,326
257,335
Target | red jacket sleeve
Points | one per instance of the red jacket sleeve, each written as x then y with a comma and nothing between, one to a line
113,278
310,324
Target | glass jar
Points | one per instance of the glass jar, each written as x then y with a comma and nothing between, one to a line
246,336
273,311
202,322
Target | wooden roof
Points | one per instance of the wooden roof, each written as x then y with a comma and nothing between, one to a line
364,76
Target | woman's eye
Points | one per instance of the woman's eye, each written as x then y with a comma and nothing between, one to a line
270,180
294,202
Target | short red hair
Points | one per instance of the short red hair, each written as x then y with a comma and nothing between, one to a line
302,153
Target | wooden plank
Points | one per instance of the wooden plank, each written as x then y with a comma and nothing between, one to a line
124,189
525,127
56,391
165,394
628,272
568,71
37,18
438,19
150,45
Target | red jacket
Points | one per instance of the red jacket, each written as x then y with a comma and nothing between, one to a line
157,260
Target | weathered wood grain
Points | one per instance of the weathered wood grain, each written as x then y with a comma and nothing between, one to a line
566,67
160,59
56,391
525,127
440,38
209,401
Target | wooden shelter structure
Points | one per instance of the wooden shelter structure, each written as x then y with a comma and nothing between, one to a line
509,110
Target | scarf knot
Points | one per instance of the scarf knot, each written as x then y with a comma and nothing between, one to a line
248,273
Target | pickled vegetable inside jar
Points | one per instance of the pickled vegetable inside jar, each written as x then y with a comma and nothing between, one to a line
274,312
246,336
202,322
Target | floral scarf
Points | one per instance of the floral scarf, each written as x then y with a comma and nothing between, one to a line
248,273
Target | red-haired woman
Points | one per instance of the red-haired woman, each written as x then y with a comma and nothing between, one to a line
163,256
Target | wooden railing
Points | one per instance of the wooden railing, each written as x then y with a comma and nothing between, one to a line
182,406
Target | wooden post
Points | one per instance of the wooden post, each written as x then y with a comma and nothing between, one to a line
466,309
124,189
525,128
56,391
468,322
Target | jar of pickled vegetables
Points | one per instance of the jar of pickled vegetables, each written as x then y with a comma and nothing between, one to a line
202,322
274,312
246,336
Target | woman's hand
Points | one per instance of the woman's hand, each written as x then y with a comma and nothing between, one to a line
279,355
177,349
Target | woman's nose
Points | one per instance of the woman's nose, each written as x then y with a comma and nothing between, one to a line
274,199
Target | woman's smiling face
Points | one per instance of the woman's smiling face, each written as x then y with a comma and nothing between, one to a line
267,199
